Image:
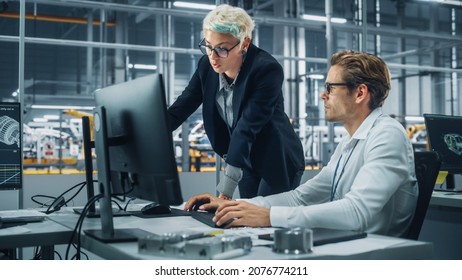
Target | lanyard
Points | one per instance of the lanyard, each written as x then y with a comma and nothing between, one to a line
335,185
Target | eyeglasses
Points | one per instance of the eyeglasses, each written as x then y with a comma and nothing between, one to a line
330,85
221,52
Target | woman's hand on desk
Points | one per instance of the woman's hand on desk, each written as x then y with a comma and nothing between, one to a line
205,202
243,214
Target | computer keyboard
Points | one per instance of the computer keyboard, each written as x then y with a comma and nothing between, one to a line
23,219
206,218
6,222
11,218
21,213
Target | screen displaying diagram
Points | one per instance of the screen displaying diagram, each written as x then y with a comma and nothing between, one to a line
10,146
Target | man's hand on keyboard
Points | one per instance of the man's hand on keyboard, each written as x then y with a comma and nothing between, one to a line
243,214
205,202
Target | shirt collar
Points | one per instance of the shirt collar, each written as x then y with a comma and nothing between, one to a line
367,124
224,83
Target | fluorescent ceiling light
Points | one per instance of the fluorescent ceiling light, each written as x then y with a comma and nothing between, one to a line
189,5
62,107
448,2
51,117
323,18
414,119
142,66
40,120
315,76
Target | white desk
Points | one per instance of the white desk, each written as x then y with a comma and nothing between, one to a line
45,234
371,247
59,226
446,199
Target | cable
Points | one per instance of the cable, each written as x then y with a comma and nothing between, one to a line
128,202
59,256
78,227
42,204
60,201
37,254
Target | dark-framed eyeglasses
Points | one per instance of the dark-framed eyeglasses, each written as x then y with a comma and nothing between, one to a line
330,85
221,52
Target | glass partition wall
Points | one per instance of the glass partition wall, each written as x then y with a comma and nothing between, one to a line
73,48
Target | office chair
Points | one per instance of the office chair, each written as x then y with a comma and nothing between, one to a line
427,166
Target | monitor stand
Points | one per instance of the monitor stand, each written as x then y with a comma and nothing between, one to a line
118,235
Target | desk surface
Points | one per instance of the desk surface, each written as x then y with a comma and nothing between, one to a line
448,199
371,247
46,233
58,227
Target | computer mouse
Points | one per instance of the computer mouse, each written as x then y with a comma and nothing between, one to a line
155,208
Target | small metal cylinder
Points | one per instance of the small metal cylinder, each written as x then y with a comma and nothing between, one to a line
293,241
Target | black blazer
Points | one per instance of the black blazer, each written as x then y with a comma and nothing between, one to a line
262,140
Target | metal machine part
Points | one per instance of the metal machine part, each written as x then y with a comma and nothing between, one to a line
293,241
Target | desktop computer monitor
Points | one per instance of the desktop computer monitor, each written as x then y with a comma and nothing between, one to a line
10,146
134,148
444,135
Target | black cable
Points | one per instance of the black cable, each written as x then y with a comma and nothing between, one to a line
50,210
77,192
37,255
42,203
78,253
84,212
59,256
76,256
78,226
128,202
118,205
86,256
116,196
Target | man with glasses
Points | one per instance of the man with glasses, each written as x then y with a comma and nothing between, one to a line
368,185
240,89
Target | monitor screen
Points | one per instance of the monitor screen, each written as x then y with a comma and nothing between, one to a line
444,135
134,145
10,146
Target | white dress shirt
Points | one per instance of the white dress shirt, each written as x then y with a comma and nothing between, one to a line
377,191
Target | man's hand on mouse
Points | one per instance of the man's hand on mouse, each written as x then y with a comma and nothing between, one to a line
205,202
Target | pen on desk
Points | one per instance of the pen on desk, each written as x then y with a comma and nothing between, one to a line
229,254
215,232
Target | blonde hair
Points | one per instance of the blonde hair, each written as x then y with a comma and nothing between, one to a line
228,19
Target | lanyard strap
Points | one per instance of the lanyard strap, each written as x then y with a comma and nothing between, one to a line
334,184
